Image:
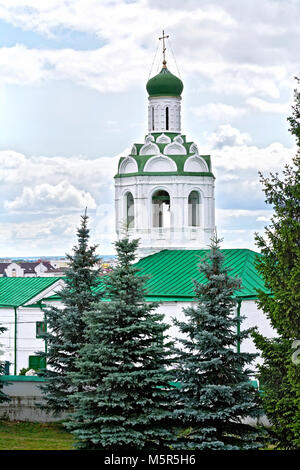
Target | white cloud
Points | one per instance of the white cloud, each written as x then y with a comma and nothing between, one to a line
46,198
218,111
267,107
264,218
42,229
236,54
226,135
270,158
19,170
237,227
19,65
225,214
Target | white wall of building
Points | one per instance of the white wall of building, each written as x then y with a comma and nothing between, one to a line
28,344
254,317
179,235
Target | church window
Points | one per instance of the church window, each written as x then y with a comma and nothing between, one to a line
152,117
194,209
161,209
167,118
40,329
129,211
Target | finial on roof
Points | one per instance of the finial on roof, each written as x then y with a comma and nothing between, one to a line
164,49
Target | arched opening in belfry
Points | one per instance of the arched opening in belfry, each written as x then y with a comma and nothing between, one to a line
161,209
129,210
152,117
167,118
194,209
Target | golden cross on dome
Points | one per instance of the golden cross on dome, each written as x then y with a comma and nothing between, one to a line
164,48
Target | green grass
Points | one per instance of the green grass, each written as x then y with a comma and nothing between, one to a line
17,435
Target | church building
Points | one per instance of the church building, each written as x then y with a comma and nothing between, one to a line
164,189
164,195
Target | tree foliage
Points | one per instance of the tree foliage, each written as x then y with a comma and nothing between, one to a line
216,395
65,335
279,267
125,402
3,396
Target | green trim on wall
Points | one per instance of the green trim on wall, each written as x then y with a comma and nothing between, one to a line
15,341
238,313
166,173
21,378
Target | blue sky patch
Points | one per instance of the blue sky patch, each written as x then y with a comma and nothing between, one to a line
62,38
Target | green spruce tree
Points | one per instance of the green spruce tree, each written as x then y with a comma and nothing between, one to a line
65,326
280,269
216,395
125,402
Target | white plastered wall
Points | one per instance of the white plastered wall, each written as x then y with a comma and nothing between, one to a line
179,235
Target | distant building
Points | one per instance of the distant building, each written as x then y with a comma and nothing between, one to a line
30,269
59,263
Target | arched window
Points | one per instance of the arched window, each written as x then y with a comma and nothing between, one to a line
167,118
152,117
194,209
129,210
13,273
161,209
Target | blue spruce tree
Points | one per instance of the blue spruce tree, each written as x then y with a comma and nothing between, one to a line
65,326
216,395
125,402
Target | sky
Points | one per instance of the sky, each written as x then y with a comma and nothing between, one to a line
73,100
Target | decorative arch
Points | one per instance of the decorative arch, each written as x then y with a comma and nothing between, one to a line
133,150
178,139
175,148
149,149
195,164
128,165
194,148
163,139
160,164
149,138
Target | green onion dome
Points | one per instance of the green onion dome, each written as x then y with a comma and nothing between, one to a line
164,84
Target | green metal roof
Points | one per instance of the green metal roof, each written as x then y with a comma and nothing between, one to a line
172,272
16,291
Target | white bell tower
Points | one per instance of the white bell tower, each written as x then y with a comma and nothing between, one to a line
164,189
